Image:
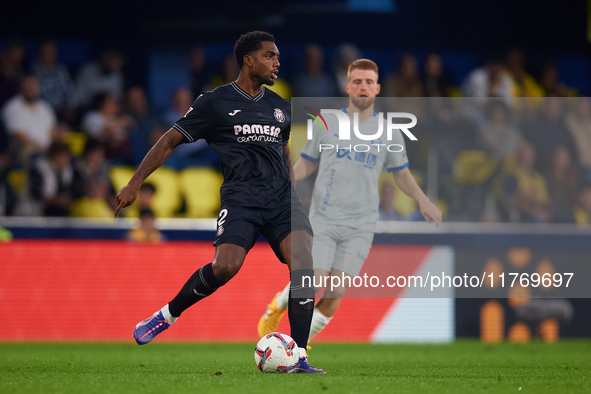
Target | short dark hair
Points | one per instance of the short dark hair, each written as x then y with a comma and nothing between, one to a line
57,148
250,42
99,99
148,187
110,53
46,41
147,212
93,144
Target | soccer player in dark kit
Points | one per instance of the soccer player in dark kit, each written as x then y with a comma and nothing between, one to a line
248,127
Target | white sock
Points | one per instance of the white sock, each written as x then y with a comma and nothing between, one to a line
283,298
302,352
166,313
319,321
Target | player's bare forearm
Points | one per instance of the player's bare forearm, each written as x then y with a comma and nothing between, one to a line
156,156
303,168
154,159
406,182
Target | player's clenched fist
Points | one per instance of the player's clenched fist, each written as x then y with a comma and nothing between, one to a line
126,197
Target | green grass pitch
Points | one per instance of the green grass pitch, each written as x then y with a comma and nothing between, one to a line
461,367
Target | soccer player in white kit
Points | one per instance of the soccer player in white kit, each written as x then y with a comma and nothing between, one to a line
345,199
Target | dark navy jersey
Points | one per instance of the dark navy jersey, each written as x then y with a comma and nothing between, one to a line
248,135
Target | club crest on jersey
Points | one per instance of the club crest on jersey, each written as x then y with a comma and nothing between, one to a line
279,116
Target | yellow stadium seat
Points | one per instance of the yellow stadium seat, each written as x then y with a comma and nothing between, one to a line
120,175
281,87
201,188
297,140
18,180
454,91
474,167
167,199
76,142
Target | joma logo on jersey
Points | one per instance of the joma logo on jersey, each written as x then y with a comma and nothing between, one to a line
256,129
344,131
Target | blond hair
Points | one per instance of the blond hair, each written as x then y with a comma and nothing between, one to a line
362,64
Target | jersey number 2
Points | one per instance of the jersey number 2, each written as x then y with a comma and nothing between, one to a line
222,217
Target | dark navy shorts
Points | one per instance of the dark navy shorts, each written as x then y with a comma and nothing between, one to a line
242,226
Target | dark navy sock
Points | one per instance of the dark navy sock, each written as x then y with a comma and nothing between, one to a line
301,305
200,285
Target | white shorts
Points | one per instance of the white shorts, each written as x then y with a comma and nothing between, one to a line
341,247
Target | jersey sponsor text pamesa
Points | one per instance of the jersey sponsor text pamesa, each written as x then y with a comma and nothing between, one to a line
257,132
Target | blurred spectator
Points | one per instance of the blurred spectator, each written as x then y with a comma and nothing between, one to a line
582,210
146,231
549,80
145,196
107,125
488,81
181,101
30,121
229,72
93,165
94,203
144,201
525,192
100,78
195,154
11,69
548,130
404,82
523,84
578,122
51,182
346,54
55,83
200,71
434,82
438,110
563,182
314,82
498,134
138,109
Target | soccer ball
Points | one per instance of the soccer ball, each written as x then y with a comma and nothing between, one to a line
276,352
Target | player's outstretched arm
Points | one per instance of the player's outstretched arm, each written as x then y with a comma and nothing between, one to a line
154,159
303,168
406,182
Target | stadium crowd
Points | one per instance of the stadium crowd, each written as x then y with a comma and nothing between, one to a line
508,146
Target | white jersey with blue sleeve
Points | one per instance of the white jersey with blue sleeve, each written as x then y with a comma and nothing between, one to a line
346,188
